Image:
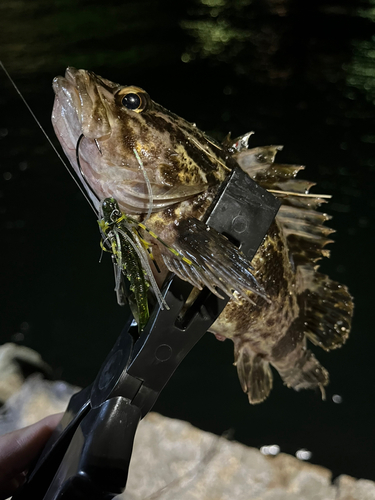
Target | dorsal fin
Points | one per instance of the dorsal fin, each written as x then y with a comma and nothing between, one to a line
326,306
301,223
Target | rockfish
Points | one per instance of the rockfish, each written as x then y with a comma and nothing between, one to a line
276,306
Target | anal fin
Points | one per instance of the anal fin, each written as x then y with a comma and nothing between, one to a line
303,371
254,373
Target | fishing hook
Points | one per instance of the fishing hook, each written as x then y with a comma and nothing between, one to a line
80,168
97,145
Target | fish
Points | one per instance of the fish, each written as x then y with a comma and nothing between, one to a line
280,301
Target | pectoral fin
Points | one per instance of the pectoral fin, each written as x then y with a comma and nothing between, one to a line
207,258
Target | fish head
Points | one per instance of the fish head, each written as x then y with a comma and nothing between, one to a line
129,147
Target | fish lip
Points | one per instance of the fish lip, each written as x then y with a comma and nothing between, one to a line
66,84
65,87
69,78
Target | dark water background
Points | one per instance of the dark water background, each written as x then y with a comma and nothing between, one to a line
299,73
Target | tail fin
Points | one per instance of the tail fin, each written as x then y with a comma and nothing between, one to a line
326,309
326,306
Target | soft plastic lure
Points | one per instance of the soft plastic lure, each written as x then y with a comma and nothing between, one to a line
130,259
131,252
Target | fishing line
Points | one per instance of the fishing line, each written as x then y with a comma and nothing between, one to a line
48,139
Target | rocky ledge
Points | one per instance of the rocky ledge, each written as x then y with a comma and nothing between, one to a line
172,459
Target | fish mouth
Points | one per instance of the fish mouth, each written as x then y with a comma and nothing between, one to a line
82,96
66,88
69,120
67,102
66,114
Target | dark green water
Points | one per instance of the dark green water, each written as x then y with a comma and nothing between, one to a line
299,73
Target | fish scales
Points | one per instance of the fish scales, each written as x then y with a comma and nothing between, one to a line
280,301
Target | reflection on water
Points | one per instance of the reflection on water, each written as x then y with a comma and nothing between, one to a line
367,10
297,73
35,34
229,32
361,71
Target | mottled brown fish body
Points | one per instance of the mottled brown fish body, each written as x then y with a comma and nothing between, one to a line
276,306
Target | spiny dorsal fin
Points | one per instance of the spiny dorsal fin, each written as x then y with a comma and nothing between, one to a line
305,233
326,306
298,218
238,144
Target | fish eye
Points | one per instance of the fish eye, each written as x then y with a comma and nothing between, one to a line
131,101
133,98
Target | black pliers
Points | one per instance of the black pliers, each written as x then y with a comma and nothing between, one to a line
88,455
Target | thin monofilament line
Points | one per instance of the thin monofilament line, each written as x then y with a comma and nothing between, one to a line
46,136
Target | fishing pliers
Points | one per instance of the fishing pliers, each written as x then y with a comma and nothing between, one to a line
89,453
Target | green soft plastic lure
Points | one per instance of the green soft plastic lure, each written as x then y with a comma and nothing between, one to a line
131,259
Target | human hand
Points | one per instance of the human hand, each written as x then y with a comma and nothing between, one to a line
18,449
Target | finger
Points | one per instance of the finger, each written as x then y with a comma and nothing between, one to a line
19,448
